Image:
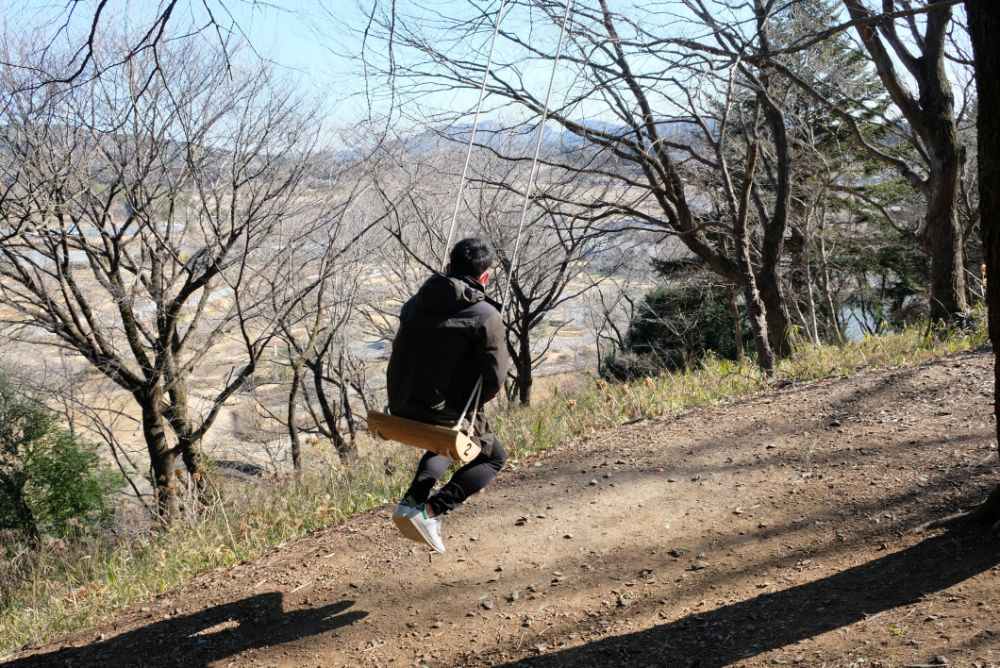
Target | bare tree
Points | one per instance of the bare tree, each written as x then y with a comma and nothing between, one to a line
555,247
139,225
662,130
321,324
86,25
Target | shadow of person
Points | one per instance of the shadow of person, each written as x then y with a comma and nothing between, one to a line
771,621
200,638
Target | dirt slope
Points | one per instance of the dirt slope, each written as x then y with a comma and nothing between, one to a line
770,531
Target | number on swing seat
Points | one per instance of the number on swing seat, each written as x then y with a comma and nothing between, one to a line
439,439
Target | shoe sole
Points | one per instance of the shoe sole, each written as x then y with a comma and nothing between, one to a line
415,530
406,528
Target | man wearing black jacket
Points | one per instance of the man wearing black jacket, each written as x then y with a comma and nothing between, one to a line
450,336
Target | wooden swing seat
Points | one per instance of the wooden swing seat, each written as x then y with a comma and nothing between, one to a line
446,441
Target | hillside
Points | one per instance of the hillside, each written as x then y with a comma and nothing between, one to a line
769,531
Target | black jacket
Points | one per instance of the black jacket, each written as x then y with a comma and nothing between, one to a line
449,335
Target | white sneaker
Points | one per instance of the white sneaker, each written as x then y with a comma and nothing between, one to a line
427,528
401,516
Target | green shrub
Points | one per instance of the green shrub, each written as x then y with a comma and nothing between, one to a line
51,481
674,328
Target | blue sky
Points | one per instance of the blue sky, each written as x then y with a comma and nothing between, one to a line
315,41
282,31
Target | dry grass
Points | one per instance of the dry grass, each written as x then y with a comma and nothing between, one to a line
600,405
69,586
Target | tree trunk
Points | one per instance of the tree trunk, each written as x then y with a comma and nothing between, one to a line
812,325
824,266
345,401
775,313
189,447
524,377
943,238
779,328
755,305
795,245
737,323
944,243
348,453
984,26
13,487
162,457
293,424
188,444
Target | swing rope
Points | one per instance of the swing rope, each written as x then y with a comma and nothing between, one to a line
534,161
527,196
421,435
533,174
472,134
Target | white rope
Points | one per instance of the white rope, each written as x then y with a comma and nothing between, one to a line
534,160
472,135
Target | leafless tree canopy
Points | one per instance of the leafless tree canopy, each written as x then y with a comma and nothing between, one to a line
153,230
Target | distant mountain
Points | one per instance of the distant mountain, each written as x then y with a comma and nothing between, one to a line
520,139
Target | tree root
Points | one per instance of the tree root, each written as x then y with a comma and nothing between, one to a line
985,514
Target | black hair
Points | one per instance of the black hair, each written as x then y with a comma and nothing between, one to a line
471,257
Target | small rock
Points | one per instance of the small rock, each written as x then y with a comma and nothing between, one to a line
592,482
487,604
513,596
698,564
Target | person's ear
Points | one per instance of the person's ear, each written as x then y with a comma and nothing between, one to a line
485,277
447,268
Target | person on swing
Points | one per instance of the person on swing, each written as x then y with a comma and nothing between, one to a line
450,336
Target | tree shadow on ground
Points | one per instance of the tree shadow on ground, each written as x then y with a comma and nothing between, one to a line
203,637
771,621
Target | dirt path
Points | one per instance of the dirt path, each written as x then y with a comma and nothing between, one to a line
770,531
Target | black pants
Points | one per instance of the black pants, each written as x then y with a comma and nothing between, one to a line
467,480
